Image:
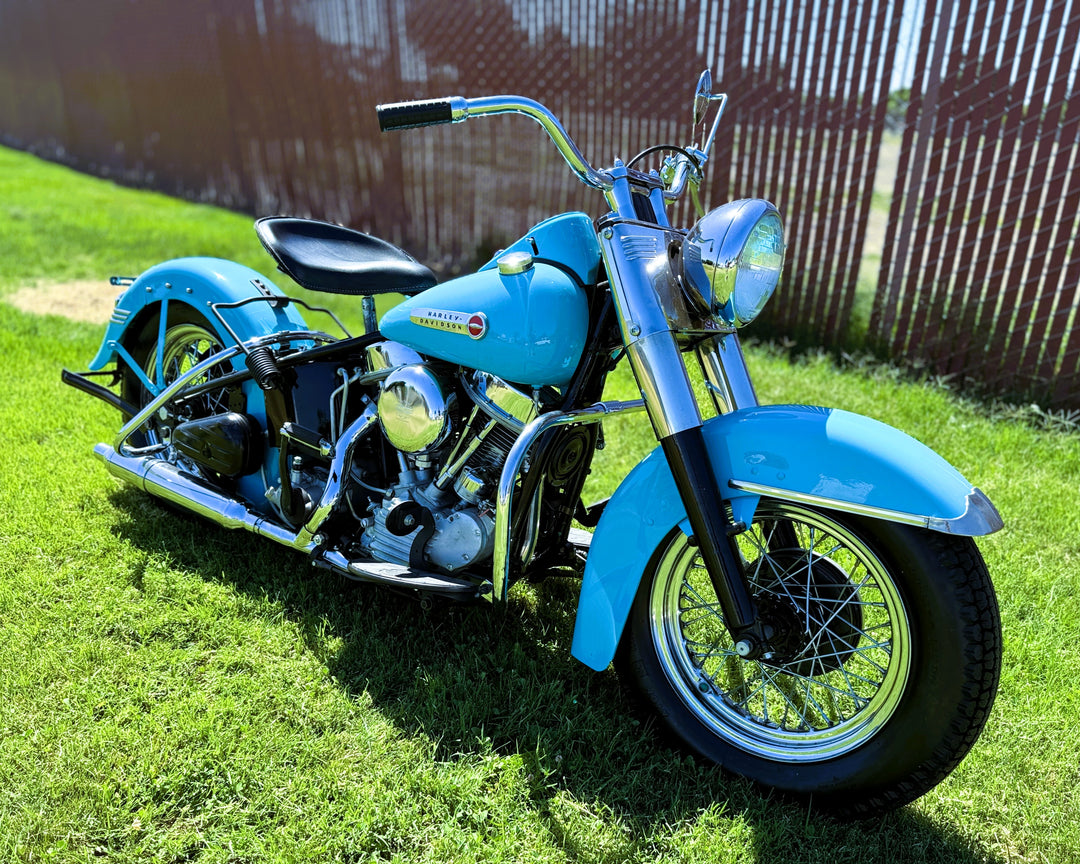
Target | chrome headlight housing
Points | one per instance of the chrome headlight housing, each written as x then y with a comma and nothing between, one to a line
732,259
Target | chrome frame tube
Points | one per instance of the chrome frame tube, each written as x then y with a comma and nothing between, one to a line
340,467
515,461
159,401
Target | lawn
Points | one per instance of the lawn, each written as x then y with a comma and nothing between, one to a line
172,691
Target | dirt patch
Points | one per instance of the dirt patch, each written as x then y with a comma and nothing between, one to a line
89,300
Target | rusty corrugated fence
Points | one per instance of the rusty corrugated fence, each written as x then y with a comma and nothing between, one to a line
267,106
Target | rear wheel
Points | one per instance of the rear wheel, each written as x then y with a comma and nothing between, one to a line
189,339
884,666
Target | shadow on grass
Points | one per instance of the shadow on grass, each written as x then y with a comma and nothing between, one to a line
481,681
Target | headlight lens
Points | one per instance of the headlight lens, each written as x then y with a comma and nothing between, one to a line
732,259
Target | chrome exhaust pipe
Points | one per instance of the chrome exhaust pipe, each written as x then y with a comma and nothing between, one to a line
166,481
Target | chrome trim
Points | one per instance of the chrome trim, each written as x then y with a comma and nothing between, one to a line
499,400
462,452
711,260
463,109
389,355
726,376
340,468
662,378
413,409
979,517
532,526
165,480
514,263
170,482
515,462
159,401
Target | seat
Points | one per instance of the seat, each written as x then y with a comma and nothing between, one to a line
321,256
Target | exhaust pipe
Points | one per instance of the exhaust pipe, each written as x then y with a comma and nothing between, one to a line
166,481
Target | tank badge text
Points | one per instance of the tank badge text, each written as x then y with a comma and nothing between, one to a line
470,324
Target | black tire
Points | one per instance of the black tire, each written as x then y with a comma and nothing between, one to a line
869,711
188,340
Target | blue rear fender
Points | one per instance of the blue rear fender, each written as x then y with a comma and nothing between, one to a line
196,282
819,456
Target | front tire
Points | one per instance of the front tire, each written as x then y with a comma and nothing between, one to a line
884,667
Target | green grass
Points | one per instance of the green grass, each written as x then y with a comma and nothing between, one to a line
171,691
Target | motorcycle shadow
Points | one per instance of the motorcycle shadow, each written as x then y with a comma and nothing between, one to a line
478,681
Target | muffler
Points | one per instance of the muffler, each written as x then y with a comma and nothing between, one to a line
167,481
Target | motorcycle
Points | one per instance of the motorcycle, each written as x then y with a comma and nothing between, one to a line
793,590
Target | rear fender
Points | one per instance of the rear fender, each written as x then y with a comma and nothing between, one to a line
825,457
196,282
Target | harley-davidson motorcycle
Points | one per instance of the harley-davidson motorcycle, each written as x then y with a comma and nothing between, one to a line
793,590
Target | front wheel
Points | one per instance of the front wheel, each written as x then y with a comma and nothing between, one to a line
884,663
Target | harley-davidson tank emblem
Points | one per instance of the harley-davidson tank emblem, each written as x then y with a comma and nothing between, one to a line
471,324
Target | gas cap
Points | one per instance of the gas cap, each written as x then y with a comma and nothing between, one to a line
514,263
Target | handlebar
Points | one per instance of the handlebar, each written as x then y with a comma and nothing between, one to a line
412,115
455,109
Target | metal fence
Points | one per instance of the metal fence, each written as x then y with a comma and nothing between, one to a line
267,106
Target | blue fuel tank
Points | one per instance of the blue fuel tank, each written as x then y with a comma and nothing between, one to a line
527,328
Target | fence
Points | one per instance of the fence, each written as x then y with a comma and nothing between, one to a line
266,106
979,278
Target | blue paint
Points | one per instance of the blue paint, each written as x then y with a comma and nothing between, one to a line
828,453
198,282
537,323
569,239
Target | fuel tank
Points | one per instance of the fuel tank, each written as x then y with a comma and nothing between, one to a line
528,327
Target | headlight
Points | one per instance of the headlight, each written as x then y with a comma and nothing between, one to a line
732,259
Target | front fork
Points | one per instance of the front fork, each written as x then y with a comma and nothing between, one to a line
652,311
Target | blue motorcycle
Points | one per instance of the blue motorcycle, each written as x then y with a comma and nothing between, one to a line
793,590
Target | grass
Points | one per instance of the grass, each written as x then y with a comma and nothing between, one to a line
172,691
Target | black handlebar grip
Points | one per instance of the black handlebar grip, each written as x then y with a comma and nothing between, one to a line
412,115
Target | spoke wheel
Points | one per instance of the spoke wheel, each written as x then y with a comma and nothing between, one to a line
884,662
187,342
842,645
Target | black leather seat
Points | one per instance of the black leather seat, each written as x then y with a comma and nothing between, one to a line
326,257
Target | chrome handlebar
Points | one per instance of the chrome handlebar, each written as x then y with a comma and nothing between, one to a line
456,109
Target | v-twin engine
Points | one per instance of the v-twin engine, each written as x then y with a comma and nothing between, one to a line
439,515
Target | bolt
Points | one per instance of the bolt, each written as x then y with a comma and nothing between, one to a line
635,330
409,521
744,647
608,233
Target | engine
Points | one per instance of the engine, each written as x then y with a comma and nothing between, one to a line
440,514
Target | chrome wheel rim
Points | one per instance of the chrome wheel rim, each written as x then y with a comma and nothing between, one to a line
186,346
846,634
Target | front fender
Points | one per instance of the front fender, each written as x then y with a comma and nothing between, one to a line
820,456
198,282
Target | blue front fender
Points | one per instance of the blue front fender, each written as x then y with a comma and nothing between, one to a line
198,282
820,456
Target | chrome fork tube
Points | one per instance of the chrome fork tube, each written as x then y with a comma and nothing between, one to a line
726,376
646,296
